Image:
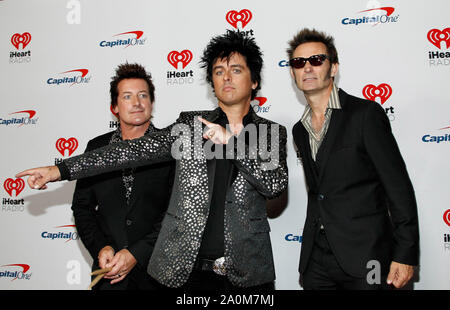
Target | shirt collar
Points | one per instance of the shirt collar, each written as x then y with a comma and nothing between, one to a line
117,135
333,103
222,117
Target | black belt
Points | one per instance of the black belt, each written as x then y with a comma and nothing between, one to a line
204,264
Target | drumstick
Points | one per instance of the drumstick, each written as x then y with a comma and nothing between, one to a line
95,281
100,271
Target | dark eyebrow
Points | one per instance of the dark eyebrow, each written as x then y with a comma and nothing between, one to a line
217,67
130,92
233,66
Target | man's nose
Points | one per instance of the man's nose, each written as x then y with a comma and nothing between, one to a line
308,67
227,76
137,100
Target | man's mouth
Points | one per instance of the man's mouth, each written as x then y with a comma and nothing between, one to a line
228,88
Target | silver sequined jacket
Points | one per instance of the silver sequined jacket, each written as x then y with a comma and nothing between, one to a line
260,175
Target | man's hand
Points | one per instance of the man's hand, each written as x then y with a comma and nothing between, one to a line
105,256
39,177
215,132
400,274
121,263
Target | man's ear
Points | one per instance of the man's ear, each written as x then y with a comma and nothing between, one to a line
334,69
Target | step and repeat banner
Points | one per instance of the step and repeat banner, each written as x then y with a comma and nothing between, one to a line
57,58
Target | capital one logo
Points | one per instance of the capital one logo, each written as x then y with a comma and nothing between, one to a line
21,119
437,138
15,274
447,217
373,16
17,39
258,104
16,185
137,40
233,17
60,234
383,91
80,78
70,144
436,36
174,57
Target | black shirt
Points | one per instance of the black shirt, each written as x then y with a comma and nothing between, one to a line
212,245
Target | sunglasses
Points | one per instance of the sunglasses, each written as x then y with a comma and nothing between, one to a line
314,60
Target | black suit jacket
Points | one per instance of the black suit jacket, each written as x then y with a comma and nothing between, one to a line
103,218
360,189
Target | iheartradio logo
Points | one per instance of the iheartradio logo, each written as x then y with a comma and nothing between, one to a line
70,144
383,91
185,57
447,217
23,39
244,16
16,185
436,36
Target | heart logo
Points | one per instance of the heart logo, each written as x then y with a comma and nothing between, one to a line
23,39
435,36
447,217
70,144
233,17
384,91
18,185
184,57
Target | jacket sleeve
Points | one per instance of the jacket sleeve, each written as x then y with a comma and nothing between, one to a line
83,206
152,148
143,248
263,164
385,155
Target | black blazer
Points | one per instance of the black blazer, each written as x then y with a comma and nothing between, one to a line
360,189
103,218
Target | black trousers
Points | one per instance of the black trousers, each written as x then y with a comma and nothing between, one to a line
324,272
208,280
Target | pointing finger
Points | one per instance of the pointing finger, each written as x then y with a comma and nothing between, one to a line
24,173
204,121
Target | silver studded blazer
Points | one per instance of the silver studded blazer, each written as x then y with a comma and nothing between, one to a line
261,173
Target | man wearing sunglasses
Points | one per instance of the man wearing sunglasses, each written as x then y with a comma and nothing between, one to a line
361,229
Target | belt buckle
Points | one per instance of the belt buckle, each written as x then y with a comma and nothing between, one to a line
219,266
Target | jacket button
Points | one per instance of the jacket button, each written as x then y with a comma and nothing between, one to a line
320,197
129,222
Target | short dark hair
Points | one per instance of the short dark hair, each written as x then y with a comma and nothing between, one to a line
224,46
312,35
130,71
